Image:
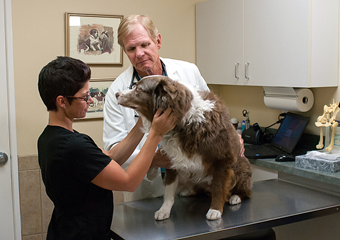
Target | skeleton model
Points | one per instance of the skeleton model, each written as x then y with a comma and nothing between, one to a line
328,120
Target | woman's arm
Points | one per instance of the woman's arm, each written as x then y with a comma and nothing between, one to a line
113,177
123,150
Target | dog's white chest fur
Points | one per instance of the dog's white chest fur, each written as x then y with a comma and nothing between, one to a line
170,143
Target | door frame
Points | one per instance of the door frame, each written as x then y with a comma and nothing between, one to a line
13,156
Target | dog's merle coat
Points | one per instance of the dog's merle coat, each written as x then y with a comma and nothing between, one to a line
204,146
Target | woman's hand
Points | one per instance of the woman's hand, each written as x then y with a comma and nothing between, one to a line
163,122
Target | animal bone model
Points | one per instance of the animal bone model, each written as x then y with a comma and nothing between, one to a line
327,119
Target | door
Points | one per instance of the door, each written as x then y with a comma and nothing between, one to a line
9,190
219,36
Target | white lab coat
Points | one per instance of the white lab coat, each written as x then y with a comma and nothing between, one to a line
118,120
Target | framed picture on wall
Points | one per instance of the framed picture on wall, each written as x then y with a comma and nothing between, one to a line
93,38
98,91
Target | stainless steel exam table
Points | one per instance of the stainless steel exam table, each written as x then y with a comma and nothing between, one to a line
273,203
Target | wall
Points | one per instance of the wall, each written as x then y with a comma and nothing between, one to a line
39,38
38,35
35,206
238,98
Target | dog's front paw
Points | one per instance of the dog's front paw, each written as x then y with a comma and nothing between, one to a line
213,214
235,199
162,214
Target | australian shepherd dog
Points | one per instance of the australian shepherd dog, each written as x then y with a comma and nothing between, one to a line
204,147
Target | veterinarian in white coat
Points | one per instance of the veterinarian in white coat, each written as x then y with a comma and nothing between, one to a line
142,51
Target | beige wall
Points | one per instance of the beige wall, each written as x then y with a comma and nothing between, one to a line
38,35
238,98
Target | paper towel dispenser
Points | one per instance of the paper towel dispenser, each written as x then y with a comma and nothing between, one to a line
288,98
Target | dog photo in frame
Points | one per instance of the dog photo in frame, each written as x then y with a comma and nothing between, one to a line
93,38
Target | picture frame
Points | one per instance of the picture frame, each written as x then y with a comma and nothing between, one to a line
98,90
93,38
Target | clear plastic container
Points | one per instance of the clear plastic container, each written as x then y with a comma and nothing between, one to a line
337,136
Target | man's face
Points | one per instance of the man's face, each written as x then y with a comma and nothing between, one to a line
142,51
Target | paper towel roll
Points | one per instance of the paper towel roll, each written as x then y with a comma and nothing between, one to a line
289,99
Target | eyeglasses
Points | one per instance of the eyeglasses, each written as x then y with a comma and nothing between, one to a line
86,98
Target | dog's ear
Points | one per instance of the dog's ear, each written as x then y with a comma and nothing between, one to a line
165,88
164,92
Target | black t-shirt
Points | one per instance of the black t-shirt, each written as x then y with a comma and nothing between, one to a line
69,161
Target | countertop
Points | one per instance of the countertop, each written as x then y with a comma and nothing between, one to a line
290,168
273,203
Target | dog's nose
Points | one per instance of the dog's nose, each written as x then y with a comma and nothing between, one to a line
117,95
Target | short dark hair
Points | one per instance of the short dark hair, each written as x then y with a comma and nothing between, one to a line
63,76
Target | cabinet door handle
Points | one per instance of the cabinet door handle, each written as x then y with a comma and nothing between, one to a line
246,70
236,65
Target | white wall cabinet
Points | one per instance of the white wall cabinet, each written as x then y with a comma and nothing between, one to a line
285,43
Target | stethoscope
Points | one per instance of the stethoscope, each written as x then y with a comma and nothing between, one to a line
138,77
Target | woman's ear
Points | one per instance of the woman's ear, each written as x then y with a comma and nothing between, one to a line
61,101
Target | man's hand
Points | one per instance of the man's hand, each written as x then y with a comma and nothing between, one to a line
241,146
161,160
